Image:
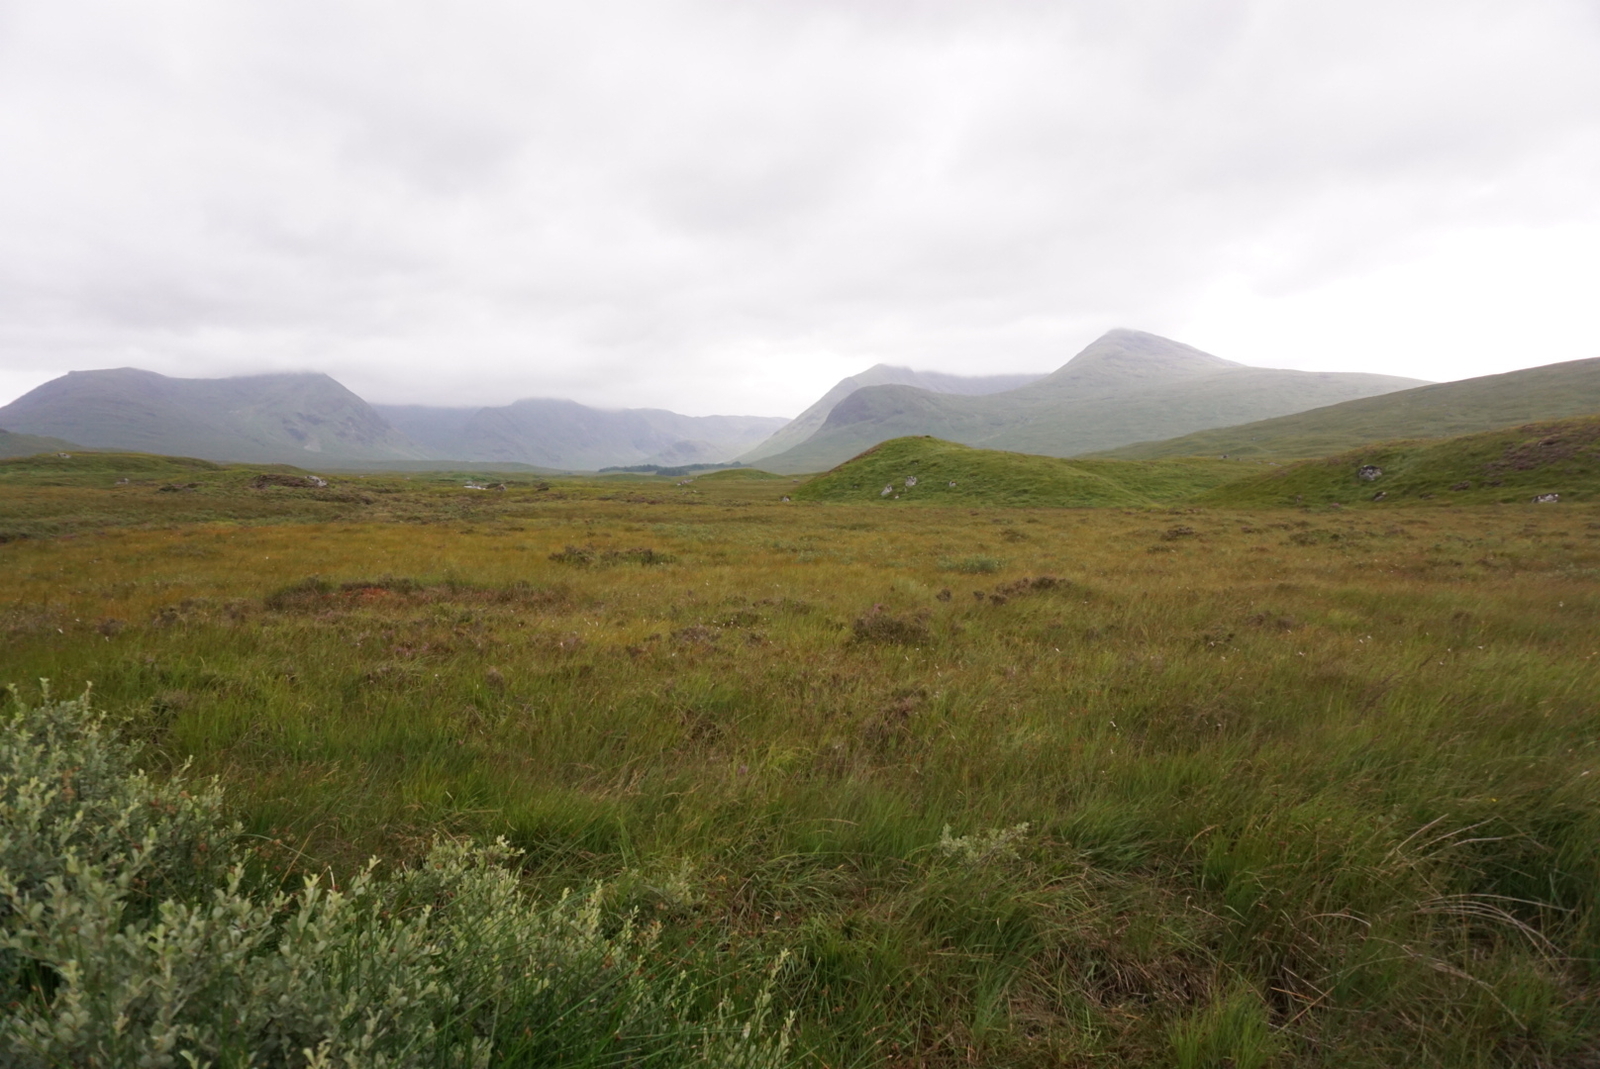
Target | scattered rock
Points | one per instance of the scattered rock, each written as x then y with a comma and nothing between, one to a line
1380,495
911,480
1368,472
886,491
1546,499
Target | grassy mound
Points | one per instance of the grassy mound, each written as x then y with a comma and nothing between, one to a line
1557,457
932,471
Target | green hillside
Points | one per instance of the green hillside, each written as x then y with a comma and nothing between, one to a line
25,445
935,472
1504,466
1125,386
1446,409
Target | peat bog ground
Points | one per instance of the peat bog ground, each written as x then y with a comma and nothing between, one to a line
1193,787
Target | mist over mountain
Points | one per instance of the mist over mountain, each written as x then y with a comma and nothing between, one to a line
564,434
311,419
807,423
1126,386
287,418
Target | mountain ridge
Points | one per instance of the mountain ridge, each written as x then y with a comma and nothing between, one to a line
311,418
1122,384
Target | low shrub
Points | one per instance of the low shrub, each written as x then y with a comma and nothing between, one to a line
131,935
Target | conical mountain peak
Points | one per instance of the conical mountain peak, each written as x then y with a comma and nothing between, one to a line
1124,358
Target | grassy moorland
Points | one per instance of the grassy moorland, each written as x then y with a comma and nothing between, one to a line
1502,467
1198,787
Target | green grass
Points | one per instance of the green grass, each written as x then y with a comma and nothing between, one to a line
1443,410
946,473
1298,788
1496,467
20,445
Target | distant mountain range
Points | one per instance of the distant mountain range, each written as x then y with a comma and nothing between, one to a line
1126,386
1128,394
310,419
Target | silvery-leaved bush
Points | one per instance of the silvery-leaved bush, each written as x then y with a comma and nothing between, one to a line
129,936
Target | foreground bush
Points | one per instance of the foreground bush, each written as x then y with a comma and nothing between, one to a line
130,935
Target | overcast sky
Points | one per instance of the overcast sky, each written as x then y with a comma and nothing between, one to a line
727,206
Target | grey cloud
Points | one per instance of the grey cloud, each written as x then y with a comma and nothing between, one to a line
727,206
